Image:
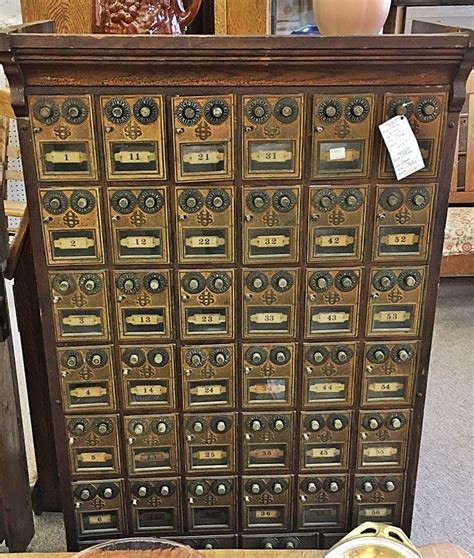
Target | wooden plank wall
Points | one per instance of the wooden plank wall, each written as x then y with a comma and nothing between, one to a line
245,17
70,16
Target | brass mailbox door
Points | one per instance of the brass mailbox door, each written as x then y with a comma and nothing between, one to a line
270,303
271,218
151,444
205,224
336,223
267,503
268,441
342,138
325,440
132,130
328,374
203,129
156,506
93,445
206,304
378,498
389,373
403,216
208,376
322,502
333,297
63,137
382,439
143,304
99,508
139,224
426,113
210,442
272,136
395,301
80,307
86,376
148,374
72,227
268,375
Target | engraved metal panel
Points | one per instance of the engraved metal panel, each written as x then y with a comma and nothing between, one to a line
325,440
272,136
63,137
336,226
139,225
207,304
93,445
333,297
383,439
208,376
132,129
328,374
271,224
143,304
267,503
210,442
205,224
211,504
268,440
395,301
79,303
268,376
72,229
378,498
342,136
270,303
322,502
203,129
86,377
148,374
403,217
99,508
155,505
389,373
151,444
426,113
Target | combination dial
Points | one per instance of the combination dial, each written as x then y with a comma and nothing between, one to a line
321,281
282,281
118,111
317,355
103,426
90,283
150,201
256,356
350,200
154,283
134,357
216,111
219,357
357,109
401,106
46,111
96,358
257,281
427,109
74,111
258,110
329,110
72,360
218,282
409,279
325,200
188,112
123,201
284,201
418,198
378,354
391,199
158,357
146,110
280,355
128,283
342,354
191,201
64,284
217,200
55,202
402,353
193,283
195,358
346,280
286,110
82,201
258,201
384,280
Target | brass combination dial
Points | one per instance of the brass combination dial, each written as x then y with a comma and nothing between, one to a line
321,281
146,110
409,279
118,111
74,111
55,202
124,201
402,106
427,109
418,198
96,358
128,283
258,201
329,110
284,201
46,111
378,354
391,199
384,280
402,353
216,111
325,200
357,109
258,110
150,201
286,110
188,112
191,201
90,283
82,201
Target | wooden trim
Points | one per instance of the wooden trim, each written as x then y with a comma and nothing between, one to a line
245,17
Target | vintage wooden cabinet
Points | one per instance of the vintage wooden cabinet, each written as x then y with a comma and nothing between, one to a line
237,295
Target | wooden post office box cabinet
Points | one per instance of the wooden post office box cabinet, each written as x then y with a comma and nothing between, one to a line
382,439
139,225
268,375
99,508
325,440
272,136
148,377
156,506
271,220
211,504
93,445
268,441
322,502
72,225
267,503
203,131
211,542
378,498
151,445
87,379
336,223
205,224
289,542
210,442
328,373
208,376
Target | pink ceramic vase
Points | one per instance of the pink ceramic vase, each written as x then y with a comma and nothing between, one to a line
350,17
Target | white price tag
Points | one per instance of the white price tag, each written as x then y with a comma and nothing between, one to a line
402,146
337,153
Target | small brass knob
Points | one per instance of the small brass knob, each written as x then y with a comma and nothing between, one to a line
373,424
134,358
96,360
108,493
410,281
315,425
346,282
198,427
334,486
165,490
142,491
256,425
268,546
102,428
351,201
283,283
71,361
330,111
219,283
342,356
312,487
221,489
258,282
280,357
138,429
290,545
379,356
322,283
196,360
403,355
396,422
278,488
368,486
279,425
385,282
158,358
258,202
255,488
208,546
199,490
326,201
221,426
392,200
85,494
318,357
161,428
419,200
64,286
390,486
338,424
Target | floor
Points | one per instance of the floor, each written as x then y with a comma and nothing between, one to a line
444,499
